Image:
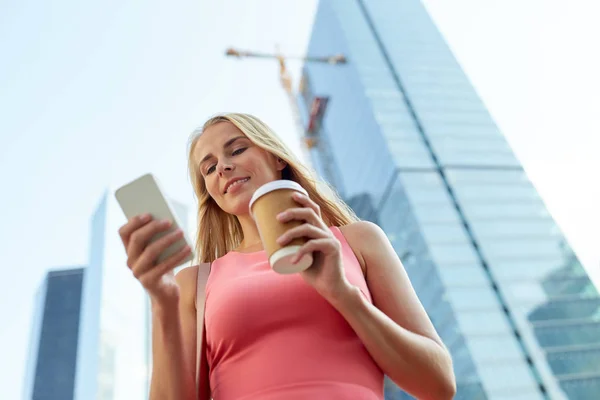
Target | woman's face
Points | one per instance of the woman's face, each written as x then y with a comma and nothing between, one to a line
233,167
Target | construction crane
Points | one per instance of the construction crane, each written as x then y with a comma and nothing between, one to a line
306,142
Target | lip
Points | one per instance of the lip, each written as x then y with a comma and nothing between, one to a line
232,181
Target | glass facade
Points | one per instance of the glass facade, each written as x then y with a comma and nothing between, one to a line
53,351
112,363
408,142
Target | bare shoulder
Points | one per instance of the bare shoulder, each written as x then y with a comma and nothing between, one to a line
363,236
359,228
187,280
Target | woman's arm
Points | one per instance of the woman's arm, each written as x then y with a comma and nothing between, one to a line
395,329
174,343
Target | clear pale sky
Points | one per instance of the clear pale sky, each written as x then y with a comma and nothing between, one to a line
94,94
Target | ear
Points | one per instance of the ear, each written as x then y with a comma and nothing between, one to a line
281,164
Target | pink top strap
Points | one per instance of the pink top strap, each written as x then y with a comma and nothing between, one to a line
202,382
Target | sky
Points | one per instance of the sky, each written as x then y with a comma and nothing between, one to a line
94,94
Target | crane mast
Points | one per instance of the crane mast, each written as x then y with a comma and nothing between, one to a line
306,136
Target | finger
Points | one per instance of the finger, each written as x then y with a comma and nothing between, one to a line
324,245
305,201
132,225
166,266
140,238
304,230
148,257
300,214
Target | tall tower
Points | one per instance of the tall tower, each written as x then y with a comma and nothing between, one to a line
54,337
113,361
413,147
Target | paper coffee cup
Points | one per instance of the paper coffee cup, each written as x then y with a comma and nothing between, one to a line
267,202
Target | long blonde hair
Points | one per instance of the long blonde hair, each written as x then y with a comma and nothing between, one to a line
220,232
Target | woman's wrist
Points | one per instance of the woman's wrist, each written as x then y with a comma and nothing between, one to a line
345,297
164,305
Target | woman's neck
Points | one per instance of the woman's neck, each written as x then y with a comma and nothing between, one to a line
250,232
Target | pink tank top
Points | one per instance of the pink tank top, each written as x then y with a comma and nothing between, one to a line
272,336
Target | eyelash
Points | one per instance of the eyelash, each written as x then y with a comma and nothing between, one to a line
239,151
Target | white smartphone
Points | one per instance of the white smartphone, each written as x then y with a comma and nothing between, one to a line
144,195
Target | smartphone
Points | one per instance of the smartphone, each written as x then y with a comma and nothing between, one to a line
144,195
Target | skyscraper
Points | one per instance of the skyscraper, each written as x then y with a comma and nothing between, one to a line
113,361
54,337
407,140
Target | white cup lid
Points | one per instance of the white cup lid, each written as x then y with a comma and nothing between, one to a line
276,185
281,260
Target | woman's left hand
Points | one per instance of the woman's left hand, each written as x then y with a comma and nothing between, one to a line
326,274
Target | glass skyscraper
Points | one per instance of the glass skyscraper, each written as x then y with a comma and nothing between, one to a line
409,143
54,337
114,357
112,362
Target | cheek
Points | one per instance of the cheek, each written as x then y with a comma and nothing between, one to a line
255,160
211,187
262,168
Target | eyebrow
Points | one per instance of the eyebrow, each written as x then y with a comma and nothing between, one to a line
226,145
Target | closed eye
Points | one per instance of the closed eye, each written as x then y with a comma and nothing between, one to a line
238,151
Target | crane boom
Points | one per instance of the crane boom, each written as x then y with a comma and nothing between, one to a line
336,59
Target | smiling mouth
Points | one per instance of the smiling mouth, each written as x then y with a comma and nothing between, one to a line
236,183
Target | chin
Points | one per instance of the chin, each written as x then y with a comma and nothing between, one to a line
240,205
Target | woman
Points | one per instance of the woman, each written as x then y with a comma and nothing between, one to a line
330,332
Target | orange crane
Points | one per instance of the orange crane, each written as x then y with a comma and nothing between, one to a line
306,142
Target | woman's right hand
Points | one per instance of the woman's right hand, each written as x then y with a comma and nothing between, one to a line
157,279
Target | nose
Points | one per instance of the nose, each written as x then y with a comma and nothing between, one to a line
225,167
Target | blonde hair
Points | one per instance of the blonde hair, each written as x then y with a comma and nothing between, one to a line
220,232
